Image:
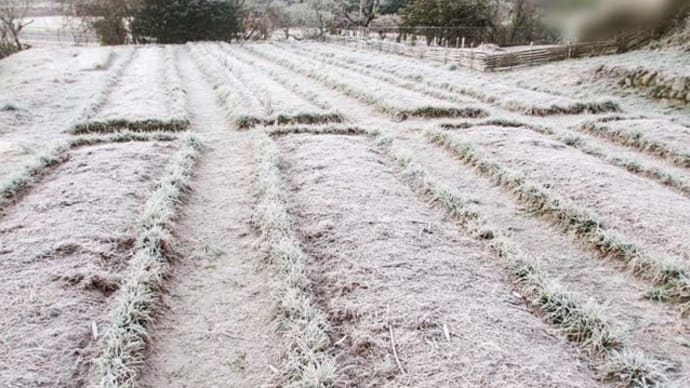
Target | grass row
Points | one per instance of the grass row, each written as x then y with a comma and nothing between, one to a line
268,117
99,99
332,59
179,122
244,109
478,93
318,130
286,119
639,141
13,186
669,276
583,322
121,350
384,106
280,77
300,322
118,125
573,140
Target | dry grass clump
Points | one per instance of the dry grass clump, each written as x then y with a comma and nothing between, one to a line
119,137
122,347
431,112
582,322
594,107
318,130
671,275
486,123
110,126
637,140
307,118
247,122
300,322
12,187
635,369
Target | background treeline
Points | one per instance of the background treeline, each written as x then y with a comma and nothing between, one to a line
442,22
178,21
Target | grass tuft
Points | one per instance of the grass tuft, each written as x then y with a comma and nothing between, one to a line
122,348
635,369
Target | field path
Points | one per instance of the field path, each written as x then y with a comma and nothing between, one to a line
217,329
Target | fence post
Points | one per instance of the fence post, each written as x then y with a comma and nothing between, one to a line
445,57
457,42
463,42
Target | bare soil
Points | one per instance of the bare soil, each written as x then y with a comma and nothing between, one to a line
384,263
62,251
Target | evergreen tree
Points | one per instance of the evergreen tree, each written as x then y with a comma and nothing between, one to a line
180,21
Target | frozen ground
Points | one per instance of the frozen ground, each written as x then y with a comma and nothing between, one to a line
355,219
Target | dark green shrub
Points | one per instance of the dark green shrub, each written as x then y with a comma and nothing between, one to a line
180,21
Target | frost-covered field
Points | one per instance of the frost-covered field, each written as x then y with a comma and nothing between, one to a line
303,214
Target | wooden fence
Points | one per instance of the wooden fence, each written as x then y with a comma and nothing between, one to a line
493,59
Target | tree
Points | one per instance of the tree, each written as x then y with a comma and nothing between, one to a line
107,17
313,17
393,6
524,24
359,12
448,20
180,21
12,22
